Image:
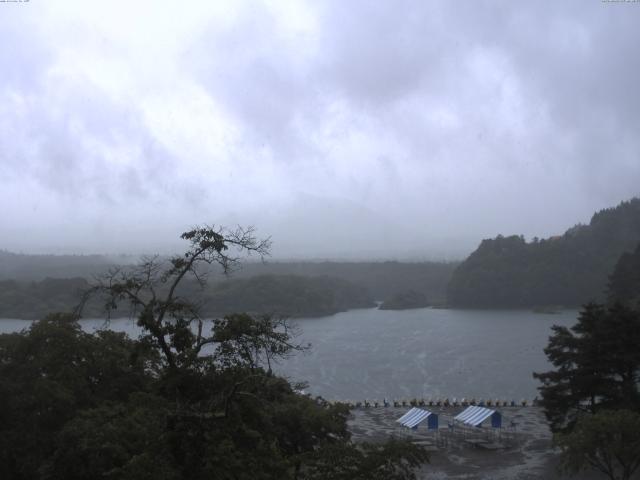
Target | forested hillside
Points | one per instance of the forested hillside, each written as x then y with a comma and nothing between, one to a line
32,300
287,295
381,279
567,270
282,295
35,284
624,282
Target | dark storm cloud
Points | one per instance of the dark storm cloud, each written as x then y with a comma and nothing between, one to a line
358,128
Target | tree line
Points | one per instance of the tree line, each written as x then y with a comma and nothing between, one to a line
285,295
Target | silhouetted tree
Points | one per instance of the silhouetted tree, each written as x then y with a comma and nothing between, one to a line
151,289
597,365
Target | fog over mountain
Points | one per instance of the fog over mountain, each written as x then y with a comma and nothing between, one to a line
405,129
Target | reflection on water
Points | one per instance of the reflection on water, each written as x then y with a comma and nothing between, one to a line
373,353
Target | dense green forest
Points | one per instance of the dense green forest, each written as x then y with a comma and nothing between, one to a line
567,270
284,295
77,405
405,300
624,282
381,279
32,300
287,295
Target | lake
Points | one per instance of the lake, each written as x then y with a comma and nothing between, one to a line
373,354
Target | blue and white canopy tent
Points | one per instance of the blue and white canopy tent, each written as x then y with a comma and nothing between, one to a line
474,416
416,416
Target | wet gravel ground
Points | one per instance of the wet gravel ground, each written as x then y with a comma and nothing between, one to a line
521,450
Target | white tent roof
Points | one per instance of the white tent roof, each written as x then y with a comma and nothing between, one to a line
474,415
413,417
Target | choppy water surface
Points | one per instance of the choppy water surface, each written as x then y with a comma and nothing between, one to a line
425,353
373,353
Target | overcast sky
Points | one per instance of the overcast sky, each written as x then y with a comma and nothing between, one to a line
361,129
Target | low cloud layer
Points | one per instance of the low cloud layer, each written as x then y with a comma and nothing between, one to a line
405,129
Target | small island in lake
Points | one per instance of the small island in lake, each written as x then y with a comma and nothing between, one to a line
405,300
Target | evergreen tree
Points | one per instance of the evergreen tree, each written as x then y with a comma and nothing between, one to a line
597,365
608,441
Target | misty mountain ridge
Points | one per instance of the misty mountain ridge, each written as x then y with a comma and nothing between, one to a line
504,272
20,266
34,275
289,289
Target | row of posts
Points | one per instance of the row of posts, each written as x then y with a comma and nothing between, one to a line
440,402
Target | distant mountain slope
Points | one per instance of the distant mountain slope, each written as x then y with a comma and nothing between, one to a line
381,279
16,266
569,270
